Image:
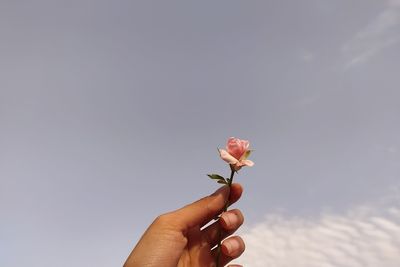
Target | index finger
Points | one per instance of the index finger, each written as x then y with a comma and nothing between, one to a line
204,210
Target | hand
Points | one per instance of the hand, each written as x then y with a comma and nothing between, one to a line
179,239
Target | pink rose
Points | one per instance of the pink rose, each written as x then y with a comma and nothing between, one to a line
236,153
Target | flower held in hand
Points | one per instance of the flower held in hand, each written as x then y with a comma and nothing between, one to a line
236,153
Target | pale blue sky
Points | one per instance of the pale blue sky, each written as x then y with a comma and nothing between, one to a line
111,113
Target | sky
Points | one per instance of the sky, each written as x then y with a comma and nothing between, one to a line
111,113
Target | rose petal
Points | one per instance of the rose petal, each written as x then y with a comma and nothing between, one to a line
245,155
245,144
236,147
227,157
247,162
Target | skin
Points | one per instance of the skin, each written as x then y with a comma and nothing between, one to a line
180,238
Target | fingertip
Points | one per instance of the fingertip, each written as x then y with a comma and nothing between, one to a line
233,246
232,220
236,192
236,187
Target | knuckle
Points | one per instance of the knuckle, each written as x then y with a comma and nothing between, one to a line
163,219
168,220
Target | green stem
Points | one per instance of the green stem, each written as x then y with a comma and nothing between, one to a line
225,209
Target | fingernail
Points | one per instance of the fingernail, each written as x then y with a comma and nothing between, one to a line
232,246
230,218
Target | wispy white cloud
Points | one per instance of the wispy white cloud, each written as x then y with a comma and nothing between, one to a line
364,236
382,32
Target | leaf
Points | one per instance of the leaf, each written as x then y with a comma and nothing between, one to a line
216,176
222,182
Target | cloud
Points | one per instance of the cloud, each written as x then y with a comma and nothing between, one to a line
382,32
368,235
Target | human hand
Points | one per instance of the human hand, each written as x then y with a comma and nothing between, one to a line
177,239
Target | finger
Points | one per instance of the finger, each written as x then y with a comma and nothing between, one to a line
228,223
236,193
205,209
231,249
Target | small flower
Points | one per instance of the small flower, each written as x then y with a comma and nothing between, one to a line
236,153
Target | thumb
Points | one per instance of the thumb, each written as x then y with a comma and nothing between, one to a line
203,210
